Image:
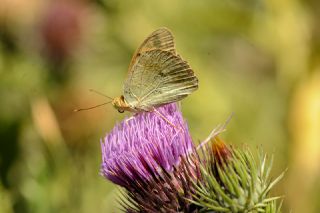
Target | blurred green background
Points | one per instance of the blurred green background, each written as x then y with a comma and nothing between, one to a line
259,59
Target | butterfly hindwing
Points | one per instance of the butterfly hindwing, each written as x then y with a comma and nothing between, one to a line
158,77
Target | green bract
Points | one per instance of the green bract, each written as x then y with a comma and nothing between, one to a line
236,183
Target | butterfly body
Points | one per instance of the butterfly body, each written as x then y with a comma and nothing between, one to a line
157,75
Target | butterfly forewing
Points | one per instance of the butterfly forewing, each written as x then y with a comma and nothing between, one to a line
161,39
158,77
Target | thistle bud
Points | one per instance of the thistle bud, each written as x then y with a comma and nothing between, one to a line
234,181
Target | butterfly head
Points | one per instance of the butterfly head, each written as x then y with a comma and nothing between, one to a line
120,104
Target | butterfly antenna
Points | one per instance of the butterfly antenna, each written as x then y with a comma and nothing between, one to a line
99,105
99,93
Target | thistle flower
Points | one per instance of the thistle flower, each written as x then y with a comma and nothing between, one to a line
153,159
61,29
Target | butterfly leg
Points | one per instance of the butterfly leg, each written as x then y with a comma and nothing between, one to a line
164,118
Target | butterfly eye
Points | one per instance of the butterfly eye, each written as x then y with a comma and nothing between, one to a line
120,110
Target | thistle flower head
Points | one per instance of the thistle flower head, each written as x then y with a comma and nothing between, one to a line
154,159
139,148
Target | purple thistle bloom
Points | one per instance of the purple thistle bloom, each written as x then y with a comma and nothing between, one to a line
145,146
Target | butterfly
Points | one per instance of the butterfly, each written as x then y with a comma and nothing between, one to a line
157,75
